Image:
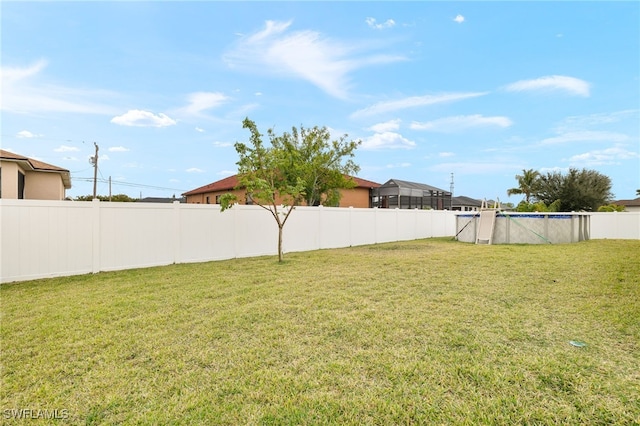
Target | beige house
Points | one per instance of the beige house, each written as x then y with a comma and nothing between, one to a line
359,196
26,178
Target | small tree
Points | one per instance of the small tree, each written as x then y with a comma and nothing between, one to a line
278,178
319,163
611,208
527,184
523,206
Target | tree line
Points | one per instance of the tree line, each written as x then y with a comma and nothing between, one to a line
577,190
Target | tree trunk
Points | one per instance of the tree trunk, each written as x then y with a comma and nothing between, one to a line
279,243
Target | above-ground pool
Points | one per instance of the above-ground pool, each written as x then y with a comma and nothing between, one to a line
527,228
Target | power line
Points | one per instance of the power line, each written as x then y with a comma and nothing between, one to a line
130,184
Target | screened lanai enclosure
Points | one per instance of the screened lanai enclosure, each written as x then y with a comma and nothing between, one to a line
410,195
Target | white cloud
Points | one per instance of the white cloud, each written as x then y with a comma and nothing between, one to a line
398,166
222,144
556,169
446,154
459,19
461,122
118,149
65,148
24,92
13,74
26,134
243,110
371,22
201,101
194,170
571,85
607,156
140,118
387,126
414,101
585,136
200,130
387,140
581,121
306,54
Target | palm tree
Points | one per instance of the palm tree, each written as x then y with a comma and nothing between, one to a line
527,184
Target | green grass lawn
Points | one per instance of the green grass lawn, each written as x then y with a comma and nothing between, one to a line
421,332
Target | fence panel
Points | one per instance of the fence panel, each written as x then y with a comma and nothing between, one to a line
57,238
615,225
386,225
136,237
256,231
204,233
40,239
302,232
363,226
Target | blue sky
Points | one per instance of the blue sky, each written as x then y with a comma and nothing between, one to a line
482,90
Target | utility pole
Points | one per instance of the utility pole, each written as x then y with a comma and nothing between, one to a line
451,185
94,161
109,188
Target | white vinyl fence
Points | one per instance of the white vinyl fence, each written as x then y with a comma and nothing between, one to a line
42,239
60,238
615,226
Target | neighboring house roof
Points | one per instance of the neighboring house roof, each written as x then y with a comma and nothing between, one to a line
161,200
227,184
628,203
363,183
37,165
465,201
412,185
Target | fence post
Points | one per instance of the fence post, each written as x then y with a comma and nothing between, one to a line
320,226
177,258
95,235
350,221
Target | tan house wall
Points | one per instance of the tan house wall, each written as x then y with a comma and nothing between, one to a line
9,179
43,186
356,197
202,198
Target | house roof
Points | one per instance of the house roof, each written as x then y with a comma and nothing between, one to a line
363,183
465,201
628,203
161,200
225,184
37,165
229,183
412,185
